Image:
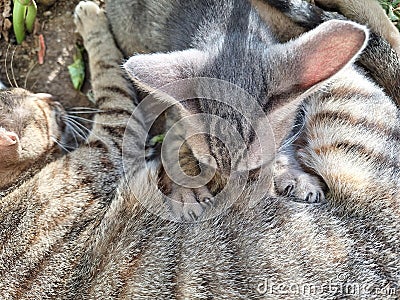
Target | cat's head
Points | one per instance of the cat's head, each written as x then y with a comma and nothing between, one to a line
29,125
276,76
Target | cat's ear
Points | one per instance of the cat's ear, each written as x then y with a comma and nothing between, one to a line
301,65
319,54
152,71
7,138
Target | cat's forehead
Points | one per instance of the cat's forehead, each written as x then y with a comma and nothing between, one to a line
17,107
12,98
17,99
243,67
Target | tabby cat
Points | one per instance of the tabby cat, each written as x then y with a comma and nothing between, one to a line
87,236
50,202
187,265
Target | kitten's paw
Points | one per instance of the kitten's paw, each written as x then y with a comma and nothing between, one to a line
89,18
190,204
293,182
301,185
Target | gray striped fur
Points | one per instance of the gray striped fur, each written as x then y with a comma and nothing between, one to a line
89,236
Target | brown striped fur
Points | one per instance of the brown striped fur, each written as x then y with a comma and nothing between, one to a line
234,255
78,229
54,202
352,133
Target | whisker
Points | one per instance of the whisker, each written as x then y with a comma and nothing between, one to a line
78,132
6,68
69,126
86,108
29,73
88,120
72,120
82,119
77,128
90,132
59,144
81,112
81,127
12,68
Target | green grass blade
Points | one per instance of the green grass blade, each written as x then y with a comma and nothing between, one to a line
19,12
31,16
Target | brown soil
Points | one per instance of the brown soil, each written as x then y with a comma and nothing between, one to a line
19,63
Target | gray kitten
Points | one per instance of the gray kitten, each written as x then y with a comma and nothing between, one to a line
79,229
242,50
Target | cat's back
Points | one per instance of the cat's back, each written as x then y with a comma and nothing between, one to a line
160,26
350,139
242,254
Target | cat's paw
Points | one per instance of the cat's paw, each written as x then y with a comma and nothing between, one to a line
298,184
189,204
89,18
292,181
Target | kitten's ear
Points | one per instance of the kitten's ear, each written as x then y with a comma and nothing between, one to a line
152,71
299,66
320,53
8,138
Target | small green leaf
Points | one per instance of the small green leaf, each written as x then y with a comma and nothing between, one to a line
19,12
30,16
77,70
158,139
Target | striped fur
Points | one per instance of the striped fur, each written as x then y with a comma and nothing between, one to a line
352,147
55,203
348,135
381,57
227,257
88,235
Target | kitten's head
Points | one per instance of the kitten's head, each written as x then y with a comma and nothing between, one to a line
277,76
29,125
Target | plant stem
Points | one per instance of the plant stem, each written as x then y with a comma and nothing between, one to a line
31,16
24,15
19,12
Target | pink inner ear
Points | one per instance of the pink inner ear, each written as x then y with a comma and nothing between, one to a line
8,138
335,44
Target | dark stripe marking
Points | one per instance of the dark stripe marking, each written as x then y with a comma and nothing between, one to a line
331,117
379,159
117,90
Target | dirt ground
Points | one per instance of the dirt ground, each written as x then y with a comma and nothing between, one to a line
19,63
